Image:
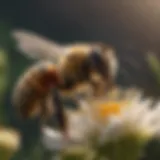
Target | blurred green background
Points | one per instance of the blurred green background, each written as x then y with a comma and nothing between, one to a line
132,27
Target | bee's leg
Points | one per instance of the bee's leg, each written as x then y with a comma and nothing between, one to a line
44,108
59,111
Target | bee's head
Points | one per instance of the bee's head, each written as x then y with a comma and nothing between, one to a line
94,64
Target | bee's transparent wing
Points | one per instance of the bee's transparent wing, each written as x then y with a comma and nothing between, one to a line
37,47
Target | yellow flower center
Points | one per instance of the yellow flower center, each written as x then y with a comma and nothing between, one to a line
106,110
109,108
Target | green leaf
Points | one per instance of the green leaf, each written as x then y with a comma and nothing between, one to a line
4,79
154,64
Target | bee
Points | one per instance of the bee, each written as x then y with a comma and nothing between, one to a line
81,65
65,67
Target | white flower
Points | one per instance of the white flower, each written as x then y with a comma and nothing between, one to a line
52,139
126,112
120,113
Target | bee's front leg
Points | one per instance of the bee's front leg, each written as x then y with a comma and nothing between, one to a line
60,112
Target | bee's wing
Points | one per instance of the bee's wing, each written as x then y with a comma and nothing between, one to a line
37,47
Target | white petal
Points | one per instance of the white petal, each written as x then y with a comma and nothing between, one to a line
52,140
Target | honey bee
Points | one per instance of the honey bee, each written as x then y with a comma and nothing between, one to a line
91,65
65,67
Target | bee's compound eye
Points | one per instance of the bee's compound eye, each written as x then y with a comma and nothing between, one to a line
96,57
97,62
